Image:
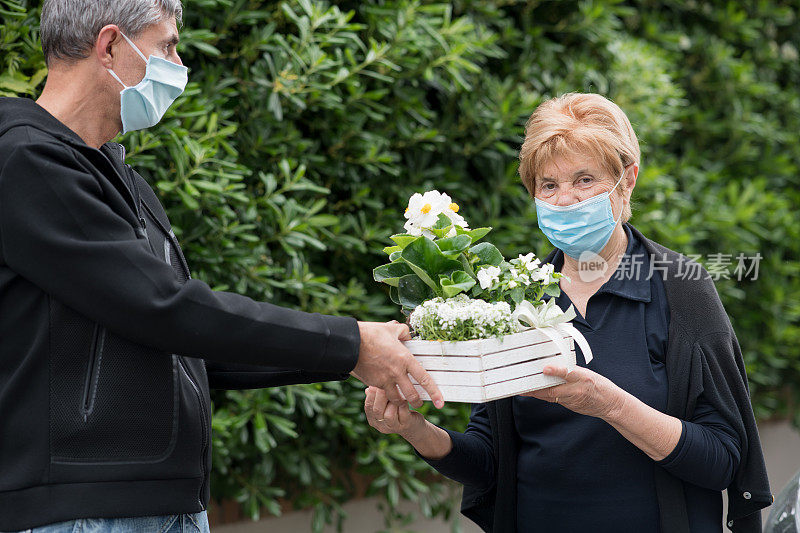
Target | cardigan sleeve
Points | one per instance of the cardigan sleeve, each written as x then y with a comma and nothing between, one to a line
708,451
471,461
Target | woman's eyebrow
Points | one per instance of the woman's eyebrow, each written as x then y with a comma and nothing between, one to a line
576,174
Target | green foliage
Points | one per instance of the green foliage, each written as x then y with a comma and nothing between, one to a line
307,124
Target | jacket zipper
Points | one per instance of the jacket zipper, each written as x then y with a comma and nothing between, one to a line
92,370
172,240
205,431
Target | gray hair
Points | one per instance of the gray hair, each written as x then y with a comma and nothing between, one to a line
69,28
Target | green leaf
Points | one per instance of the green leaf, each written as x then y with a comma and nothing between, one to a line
553,290
394,296
517,294
474,234
391,273
442,227
391,249
428,262
412,291
458,282
453,246
403,239
487,253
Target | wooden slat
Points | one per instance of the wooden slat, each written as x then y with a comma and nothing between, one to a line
478,347
495,360
494,392
505,373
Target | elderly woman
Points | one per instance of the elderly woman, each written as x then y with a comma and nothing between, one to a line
647,436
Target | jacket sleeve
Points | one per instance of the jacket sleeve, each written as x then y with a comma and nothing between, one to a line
237,376
471,461
58,232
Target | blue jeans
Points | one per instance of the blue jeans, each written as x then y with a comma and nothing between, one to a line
176,523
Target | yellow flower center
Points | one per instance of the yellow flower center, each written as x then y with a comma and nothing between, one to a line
406,210
453,207
426,208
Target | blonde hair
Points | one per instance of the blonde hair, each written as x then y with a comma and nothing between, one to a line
584,124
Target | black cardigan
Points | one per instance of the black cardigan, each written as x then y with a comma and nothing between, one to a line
703,355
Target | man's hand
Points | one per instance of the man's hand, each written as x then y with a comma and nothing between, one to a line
385,363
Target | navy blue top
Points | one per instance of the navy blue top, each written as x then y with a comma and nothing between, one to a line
576,472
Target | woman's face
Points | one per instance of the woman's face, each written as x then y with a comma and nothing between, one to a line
567,181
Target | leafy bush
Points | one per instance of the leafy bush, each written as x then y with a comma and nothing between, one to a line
307,124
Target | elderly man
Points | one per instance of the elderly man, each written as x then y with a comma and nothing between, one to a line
108,346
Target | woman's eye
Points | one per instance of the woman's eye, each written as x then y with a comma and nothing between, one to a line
586,179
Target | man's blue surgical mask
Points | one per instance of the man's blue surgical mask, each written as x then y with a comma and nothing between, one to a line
582,227
143,105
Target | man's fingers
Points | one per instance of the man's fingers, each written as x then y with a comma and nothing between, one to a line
411,394
425,380
403,332
393,394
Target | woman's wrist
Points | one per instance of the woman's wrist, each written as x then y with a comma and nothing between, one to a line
618,406
432,442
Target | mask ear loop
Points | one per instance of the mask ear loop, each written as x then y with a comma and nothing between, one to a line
137,51
134,46
612,190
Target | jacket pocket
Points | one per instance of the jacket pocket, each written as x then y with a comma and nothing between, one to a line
93,370
111,399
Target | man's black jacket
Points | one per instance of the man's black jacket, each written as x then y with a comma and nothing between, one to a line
108,347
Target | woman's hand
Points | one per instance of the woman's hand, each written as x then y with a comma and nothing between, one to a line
430,441
389,417
585,392
589,393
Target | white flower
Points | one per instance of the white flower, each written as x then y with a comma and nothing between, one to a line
528,261
424,209
488,276
545,274
452,213
512,284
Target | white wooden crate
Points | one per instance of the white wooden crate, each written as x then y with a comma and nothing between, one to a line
490,369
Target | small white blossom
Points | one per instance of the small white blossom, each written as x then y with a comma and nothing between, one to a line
512,284
488,276
545,274
461,318
528,261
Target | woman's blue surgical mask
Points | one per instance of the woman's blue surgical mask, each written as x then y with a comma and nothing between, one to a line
143,105
582,227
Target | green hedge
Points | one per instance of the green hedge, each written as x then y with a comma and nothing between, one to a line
307,124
